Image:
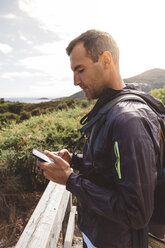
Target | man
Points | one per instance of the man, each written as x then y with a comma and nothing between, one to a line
115,186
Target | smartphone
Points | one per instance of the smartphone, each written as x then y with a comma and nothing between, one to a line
41,156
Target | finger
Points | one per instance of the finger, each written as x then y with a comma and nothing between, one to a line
46,175
63,152
56,153
59,153
57,159
42,165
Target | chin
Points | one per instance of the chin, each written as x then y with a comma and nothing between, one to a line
88,97
92,95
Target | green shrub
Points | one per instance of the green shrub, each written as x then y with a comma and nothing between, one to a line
36,112
15,107
2,100
10,190
4,108
8,117
84,104
52,131
25,115
70,103
25,110
62,106
159,94
13,116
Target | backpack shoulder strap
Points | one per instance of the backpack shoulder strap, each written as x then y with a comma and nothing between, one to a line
91,129
104,110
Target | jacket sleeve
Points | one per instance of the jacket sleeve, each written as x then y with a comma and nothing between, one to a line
131,201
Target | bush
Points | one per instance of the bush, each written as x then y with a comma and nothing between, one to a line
52,131
84,104
2,100
159,94
9,192
8,117
25,110
36,112
12,116
70,103
62,106
3,108
15,107
25,115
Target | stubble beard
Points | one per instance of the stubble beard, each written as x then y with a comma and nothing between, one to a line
92,94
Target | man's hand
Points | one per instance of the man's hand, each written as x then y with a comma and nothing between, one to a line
59,171
64,154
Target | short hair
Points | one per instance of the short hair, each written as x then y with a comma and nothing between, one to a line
95,43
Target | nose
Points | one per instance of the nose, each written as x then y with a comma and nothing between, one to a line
77,79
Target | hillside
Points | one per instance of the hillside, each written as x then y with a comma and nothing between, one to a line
78,95
148,80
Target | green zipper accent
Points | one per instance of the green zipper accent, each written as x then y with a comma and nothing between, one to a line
117,163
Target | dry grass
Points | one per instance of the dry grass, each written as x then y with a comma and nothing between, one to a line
12,226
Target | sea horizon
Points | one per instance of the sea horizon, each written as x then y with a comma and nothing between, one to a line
30,99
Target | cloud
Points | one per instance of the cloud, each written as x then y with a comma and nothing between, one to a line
9,16
52,61
46,13
22,74
5,48
56,17
36,33
51,48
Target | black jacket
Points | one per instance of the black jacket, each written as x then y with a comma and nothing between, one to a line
115,188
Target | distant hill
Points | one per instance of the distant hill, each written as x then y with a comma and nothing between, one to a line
78,95
148,80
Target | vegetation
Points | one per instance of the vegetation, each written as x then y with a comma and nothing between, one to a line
48,125
51,131
19,175
159,94
17,112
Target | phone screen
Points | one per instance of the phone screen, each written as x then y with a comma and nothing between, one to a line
41,156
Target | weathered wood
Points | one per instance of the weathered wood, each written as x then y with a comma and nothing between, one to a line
70,228
69,207
66,218
45,223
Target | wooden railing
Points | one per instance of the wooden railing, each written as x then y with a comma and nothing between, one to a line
45,224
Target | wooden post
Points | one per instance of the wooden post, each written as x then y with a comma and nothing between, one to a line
45,223
70,228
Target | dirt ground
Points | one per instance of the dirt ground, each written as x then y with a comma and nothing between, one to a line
20,212
12,226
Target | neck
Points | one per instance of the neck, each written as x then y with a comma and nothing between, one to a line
115,81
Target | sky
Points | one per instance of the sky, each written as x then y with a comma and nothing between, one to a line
35,33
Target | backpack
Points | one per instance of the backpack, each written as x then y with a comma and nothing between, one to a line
91,129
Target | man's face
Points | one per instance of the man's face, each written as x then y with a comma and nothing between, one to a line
88,75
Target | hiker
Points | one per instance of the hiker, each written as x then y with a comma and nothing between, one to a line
117,174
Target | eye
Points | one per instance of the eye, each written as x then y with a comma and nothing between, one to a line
81,71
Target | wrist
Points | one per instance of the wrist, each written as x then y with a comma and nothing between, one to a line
68,175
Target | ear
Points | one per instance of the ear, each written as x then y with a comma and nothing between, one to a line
106,58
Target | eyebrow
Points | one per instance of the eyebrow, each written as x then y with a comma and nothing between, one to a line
77,67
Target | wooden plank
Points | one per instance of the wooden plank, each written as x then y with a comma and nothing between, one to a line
66,218
70,228
45,223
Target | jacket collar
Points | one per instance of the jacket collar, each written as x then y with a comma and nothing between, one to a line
108,94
